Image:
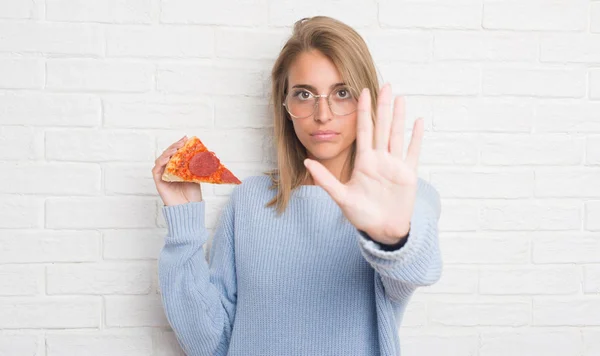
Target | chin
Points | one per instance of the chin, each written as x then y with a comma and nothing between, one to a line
325,153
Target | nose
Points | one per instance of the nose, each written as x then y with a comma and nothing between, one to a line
323,112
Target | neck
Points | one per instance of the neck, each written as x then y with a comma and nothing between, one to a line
339,166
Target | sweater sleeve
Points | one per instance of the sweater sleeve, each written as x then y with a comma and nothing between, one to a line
199,298
418,262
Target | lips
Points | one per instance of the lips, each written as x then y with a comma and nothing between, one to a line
323,132
324,135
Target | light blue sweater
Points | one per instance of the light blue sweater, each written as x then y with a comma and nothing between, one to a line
304,283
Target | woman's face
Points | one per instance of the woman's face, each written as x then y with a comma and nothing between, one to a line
325,134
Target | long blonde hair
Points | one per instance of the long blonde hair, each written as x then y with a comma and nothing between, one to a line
349,53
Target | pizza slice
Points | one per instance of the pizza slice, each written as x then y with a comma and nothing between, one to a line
195,163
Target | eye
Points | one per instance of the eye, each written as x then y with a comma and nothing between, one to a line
343,93
302,94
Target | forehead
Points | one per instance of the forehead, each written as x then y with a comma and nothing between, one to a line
315,69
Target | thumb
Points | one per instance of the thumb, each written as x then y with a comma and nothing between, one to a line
325,179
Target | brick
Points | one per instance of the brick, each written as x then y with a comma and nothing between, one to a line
432,79
20,344
529,280
48,109
108,11
591,342
567,117
594,83
162,41
126,311
592,156
355,13
20,143
531,150
129,179
531,215
166,344
100,213
494,312
485,46
19,211
99,75
531,341
100,278
240,112
567,182
484,184
51,38
535,82
99,146
158,111
251,44
455,280
566,312
120,342
486,248
462,14
22,73
204,79
49,312
595,17
45,246
445,149
405,46
440,342
575,48
591,278
58,178
483,115
563,247
536,15
415,315
21,280
592,215
246,13
16,9
459,215
133,244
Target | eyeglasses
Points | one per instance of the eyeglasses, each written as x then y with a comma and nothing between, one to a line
301,103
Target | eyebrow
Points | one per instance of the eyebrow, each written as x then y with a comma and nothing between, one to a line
310,87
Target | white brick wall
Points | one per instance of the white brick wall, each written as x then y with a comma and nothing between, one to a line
92,91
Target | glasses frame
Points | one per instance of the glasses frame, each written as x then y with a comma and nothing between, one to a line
317,96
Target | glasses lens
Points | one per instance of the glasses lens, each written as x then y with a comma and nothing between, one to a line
342,102
301,103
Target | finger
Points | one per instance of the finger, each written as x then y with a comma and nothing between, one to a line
364,123
178,144
397,130
325,179
414,148
384,118
161,162
166,154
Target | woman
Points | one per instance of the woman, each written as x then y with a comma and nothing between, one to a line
321,255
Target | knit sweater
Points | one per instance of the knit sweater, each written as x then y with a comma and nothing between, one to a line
306,282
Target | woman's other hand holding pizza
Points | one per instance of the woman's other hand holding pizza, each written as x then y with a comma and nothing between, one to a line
174,193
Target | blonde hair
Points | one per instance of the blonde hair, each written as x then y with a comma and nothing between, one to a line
349,53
